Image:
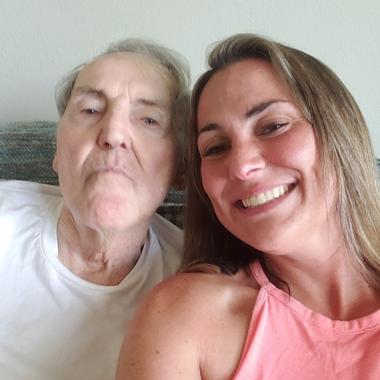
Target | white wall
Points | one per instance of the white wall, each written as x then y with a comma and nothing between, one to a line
42,39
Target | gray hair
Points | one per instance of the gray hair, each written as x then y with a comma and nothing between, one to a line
172,62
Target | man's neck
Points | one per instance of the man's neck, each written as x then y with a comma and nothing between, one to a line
101,257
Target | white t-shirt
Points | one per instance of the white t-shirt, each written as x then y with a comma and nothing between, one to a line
53,324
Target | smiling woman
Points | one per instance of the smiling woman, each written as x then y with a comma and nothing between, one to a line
283,219
264,146
342,141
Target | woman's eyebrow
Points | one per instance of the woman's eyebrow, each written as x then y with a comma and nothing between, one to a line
261,107
254,110
208,128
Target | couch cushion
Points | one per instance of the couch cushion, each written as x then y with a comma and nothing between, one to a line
27,150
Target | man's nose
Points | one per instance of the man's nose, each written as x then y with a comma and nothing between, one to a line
245,160
114,132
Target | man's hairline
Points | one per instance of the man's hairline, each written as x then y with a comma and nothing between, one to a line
99,93
149,59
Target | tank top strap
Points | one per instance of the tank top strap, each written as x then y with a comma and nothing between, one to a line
259,275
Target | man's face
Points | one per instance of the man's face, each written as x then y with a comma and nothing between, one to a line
115,146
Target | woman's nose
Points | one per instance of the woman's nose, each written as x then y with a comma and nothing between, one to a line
245,161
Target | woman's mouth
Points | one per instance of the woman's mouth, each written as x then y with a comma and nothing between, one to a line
267,196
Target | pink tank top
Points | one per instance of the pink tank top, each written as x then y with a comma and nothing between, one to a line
288,341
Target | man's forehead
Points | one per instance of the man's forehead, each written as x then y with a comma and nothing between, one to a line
128,64
124,71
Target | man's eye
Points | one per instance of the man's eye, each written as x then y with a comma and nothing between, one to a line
272,128
90,111
150,121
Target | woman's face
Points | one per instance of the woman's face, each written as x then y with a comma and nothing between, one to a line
259,161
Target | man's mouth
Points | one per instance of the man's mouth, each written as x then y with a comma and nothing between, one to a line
111,170
267,196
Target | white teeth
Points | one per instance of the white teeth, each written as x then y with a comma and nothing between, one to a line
262,198
268,196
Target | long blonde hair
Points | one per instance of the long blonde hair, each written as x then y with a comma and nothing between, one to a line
344,149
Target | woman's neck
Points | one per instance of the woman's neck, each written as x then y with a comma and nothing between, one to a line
327,283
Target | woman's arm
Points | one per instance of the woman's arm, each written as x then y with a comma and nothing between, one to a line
161,342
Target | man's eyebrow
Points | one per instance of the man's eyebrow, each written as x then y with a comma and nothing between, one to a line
163,106
255,110
86,90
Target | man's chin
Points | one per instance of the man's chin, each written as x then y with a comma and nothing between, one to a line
112,212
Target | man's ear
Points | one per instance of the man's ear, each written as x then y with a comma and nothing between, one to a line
54,163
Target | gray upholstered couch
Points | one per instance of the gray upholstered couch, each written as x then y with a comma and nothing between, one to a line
26,153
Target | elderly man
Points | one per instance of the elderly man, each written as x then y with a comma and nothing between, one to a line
75,262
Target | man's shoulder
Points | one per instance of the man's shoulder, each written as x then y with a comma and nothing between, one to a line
28,189
21,200
26,210
164,227
170,240
166,232
16,195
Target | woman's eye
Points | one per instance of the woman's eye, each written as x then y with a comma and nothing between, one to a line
214,150
272,128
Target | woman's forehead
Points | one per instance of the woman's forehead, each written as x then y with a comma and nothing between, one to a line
242,84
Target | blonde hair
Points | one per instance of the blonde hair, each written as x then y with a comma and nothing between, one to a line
344,148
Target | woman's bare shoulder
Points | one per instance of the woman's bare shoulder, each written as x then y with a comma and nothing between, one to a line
192,313
184,291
